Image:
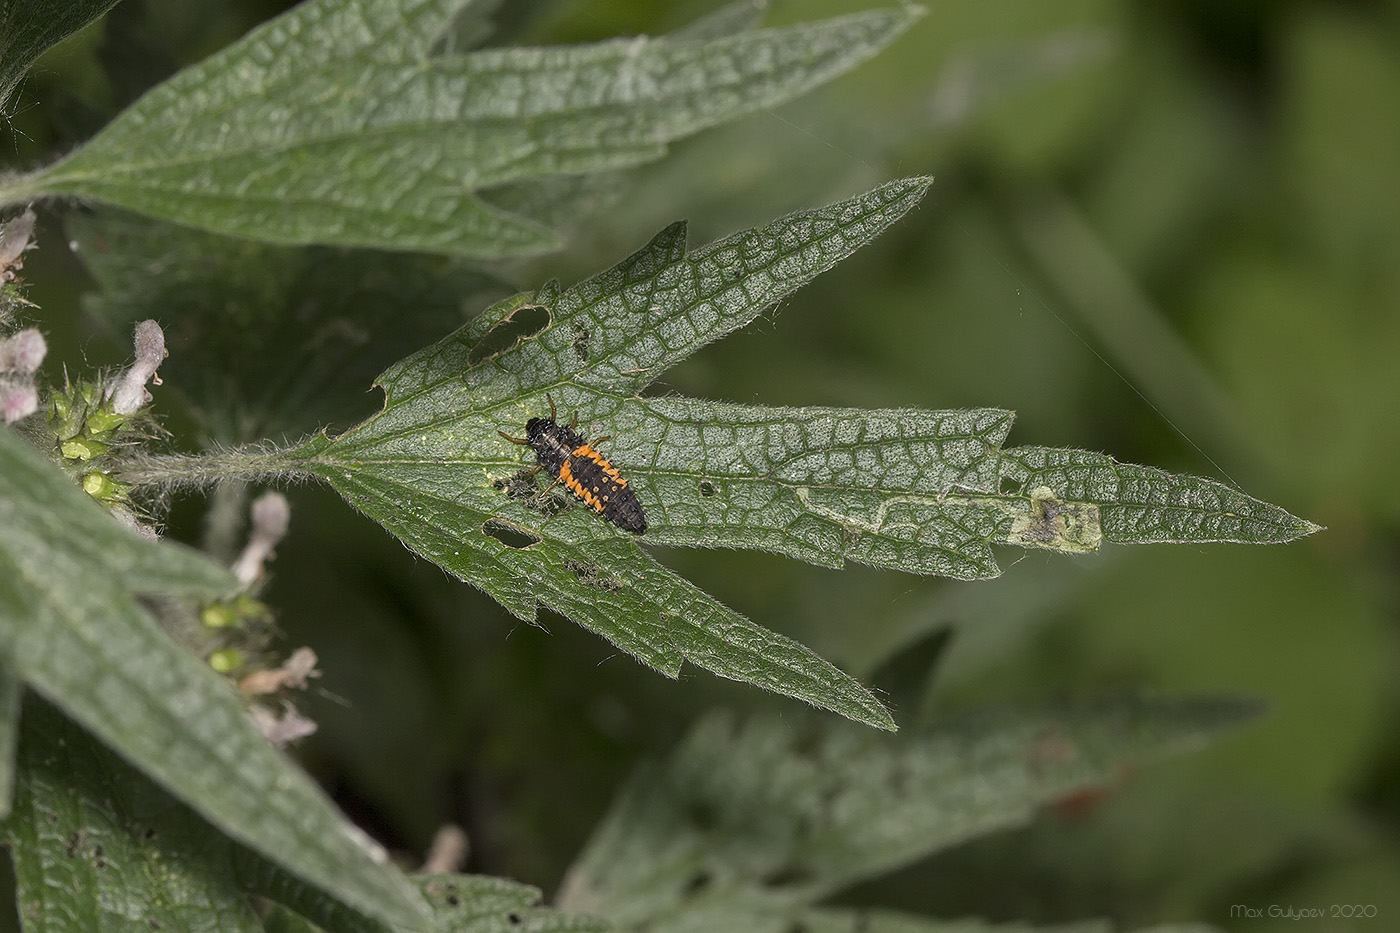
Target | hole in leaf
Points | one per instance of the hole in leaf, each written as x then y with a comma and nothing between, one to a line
696,884
514,919
707,488
509,535
1011,486
521,324
581,342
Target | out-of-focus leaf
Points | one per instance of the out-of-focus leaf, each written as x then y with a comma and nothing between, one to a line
773,813
72,630
29,27
334,124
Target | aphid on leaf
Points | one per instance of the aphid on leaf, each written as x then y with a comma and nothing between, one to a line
579,465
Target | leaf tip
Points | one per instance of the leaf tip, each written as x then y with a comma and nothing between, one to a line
1303,528
913,9
872,713
907,191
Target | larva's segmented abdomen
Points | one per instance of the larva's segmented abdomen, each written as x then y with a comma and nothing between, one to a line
588,474
596,481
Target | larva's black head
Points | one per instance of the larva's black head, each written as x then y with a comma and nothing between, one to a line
537,426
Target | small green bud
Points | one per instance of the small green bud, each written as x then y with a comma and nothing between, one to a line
235,612
219,615
103,420
99,485
82,448
226,660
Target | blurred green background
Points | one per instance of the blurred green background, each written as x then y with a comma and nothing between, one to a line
1167,231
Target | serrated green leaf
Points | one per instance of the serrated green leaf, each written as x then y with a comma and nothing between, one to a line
432,469
921,491
334,124
264,340
29,27
74,633
904,489
98,848
774,814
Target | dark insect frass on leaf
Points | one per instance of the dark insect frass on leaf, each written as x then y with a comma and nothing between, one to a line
579,465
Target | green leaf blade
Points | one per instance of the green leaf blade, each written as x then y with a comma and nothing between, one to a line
332,124
71,629
432,469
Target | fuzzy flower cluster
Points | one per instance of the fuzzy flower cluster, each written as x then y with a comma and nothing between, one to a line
88,417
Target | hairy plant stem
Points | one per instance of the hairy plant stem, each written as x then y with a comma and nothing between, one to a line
247,464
